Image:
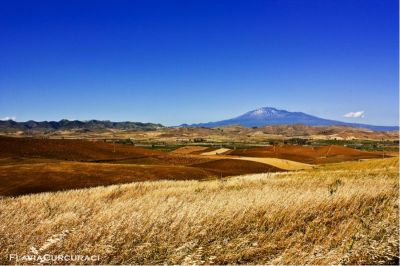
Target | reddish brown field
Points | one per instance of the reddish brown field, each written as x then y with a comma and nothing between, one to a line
42,165
30,177
71,150
24,176
228,167
189,150
308,154
30,165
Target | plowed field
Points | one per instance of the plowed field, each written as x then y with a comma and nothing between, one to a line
307,154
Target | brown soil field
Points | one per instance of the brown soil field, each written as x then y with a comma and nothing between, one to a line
216,151
205,150
42,165
192,150
90,151
72,150
308,154
30,165
25,178
164,159
189,150
229,167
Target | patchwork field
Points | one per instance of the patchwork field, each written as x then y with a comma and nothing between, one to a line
30,165
343,213
308,154
41,165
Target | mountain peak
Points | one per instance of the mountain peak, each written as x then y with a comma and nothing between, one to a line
263,113
265,110
265,116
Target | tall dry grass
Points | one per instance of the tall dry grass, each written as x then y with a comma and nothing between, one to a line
321,216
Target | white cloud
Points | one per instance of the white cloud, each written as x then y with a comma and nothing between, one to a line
8,118
359,114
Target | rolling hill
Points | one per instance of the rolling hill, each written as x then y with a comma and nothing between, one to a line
64,124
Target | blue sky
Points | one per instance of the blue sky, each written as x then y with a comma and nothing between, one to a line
186,61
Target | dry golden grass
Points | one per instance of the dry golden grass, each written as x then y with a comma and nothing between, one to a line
383,164
280,163
319,216
283,164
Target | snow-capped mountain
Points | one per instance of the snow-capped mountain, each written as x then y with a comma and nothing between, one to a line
271,116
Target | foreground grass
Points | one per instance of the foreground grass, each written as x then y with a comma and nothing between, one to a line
320,216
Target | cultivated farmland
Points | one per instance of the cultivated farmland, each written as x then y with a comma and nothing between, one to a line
335,215
198,204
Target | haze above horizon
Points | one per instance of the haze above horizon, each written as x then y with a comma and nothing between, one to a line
175,62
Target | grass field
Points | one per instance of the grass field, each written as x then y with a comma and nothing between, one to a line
279,163
344,213
382,164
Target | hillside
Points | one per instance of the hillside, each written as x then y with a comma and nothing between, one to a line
347,215
70,150
12,126
307,154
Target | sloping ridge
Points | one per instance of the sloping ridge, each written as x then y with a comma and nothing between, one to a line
71,150
230,167
307,154
279,163
64,124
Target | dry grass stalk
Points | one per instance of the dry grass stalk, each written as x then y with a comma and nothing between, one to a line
282,218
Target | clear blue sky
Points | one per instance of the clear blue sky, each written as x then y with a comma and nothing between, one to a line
193,61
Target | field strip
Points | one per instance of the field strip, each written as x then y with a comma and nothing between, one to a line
363,164
280,163
216,152
188,150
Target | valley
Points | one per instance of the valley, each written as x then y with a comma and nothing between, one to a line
33,165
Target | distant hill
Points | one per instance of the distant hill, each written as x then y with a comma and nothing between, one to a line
10,125
241,133
267,116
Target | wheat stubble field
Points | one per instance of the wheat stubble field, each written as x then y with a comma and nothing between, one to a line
344,213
